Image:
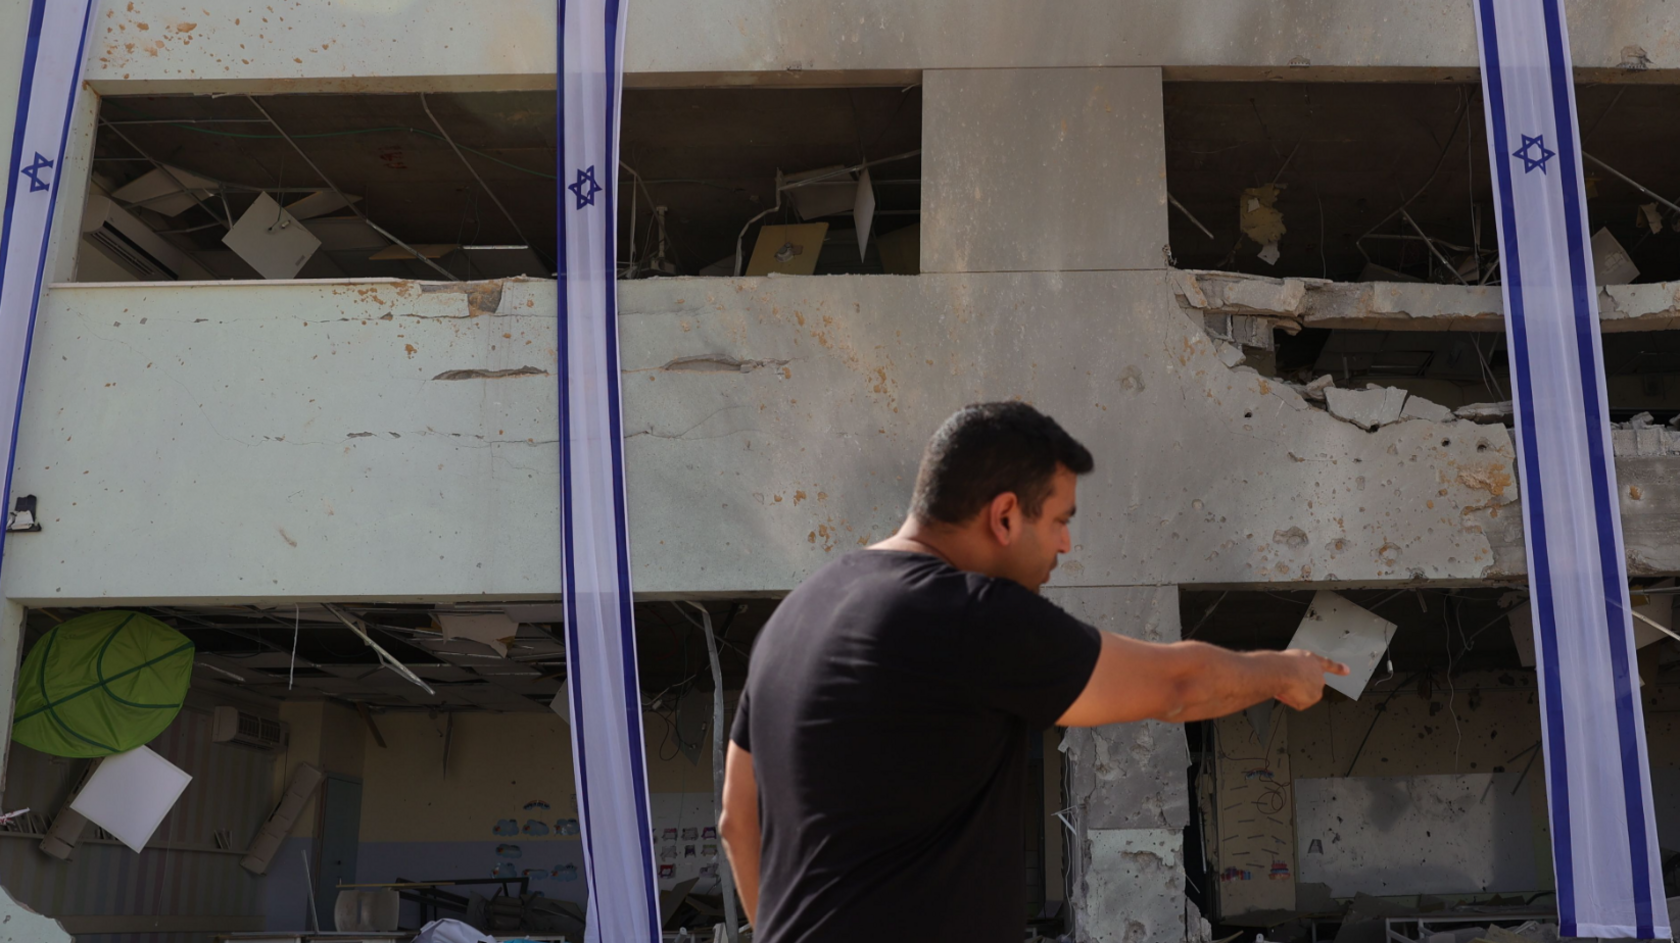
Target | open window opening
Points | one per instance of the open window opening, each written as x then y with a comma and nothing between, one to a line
1390,182
463,186
432,773
1423,798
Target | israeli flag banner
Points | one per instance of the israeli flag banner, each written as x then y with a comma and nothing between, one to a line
1604,840
53,51
605,698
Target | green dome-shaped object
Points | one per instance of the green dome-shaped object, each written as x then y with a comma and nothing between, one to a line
100,684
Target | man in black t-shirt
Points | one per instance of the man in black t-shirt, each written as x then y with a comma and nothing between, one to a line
877,771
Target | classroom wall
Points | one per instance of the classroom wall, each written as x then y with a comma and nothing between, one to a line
505,803
1482,723
182,872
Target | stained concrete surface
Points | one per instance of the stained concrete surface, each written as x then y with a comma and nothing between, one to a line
1137,893
387,45
1081,186
307,420
1128,776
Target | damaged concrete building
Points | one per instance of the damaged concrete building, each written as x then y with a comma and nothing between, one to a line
1244,250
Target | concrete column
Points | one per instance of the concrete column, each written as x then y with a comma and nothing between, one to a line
1043,170
1064,170
1127,787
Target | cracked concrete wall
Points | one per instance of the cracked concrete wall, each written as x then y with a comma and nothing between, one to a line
1137,894
291,440
1128,790
162,46
19,924
1128,775
225,423
228,440
1292,303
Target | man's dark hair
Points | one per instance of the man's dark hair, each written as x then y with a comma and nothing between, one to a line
987,449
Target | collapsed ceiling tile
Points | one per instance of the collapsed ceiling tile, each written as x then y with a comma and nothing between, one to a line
271,240
161,191
493,629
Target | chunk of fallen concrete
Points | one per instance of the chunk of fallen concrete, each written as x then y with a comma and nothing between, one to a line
1485,412
1315,390
1230,354
1367,409
20,924
1419,408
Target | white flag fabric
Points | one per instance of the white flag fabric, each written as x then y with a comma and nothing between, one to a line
1604,847
52,76
607,746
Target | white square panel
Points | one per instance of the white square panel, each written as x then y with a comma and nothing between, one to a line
1337,628
271,240
130,794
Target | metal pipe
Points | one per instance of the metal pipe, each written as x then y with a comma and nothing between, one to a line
189,121
385,656
725,872
847,170
742,235
167,172
347,202
1431,244
1189,215
491,193
1632,182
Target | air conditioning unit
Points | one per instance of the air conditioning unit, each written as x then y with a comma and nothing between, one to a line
232,725
129,242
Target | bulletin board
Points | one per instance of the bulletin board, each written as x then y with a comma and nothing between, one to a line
1252,817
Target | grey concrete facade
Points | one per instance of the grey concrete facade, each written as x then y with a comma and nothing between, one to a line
292,441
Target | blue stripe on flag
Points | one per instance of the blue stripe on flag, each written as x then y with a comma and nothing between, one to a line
1557,754
32,48
627,616
1610,562
569,579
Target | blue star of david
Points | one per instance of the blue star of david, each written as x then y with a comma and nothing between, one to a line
585,188
33,172
1530,163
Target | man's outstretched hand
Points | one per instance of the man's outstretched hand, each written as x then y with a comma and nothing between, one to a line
1302,684
1187,681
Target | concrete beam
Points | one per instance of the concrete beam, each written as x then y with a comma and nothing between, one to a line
163,46
1404,306
396,440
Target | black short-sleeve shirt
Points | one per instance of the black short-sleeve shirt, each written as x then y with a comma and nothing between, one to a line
887,710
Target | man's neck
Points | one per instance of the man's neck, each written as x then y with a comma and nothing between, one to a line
950,544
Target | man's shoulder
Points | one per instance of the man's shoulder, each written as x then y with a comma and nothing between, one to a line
881,583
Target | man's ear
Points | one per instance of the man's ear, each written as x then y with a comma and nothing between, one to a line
1003,516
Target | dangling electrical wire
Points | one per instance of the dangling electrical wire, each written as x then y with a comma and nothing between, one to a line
297,624
718,747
